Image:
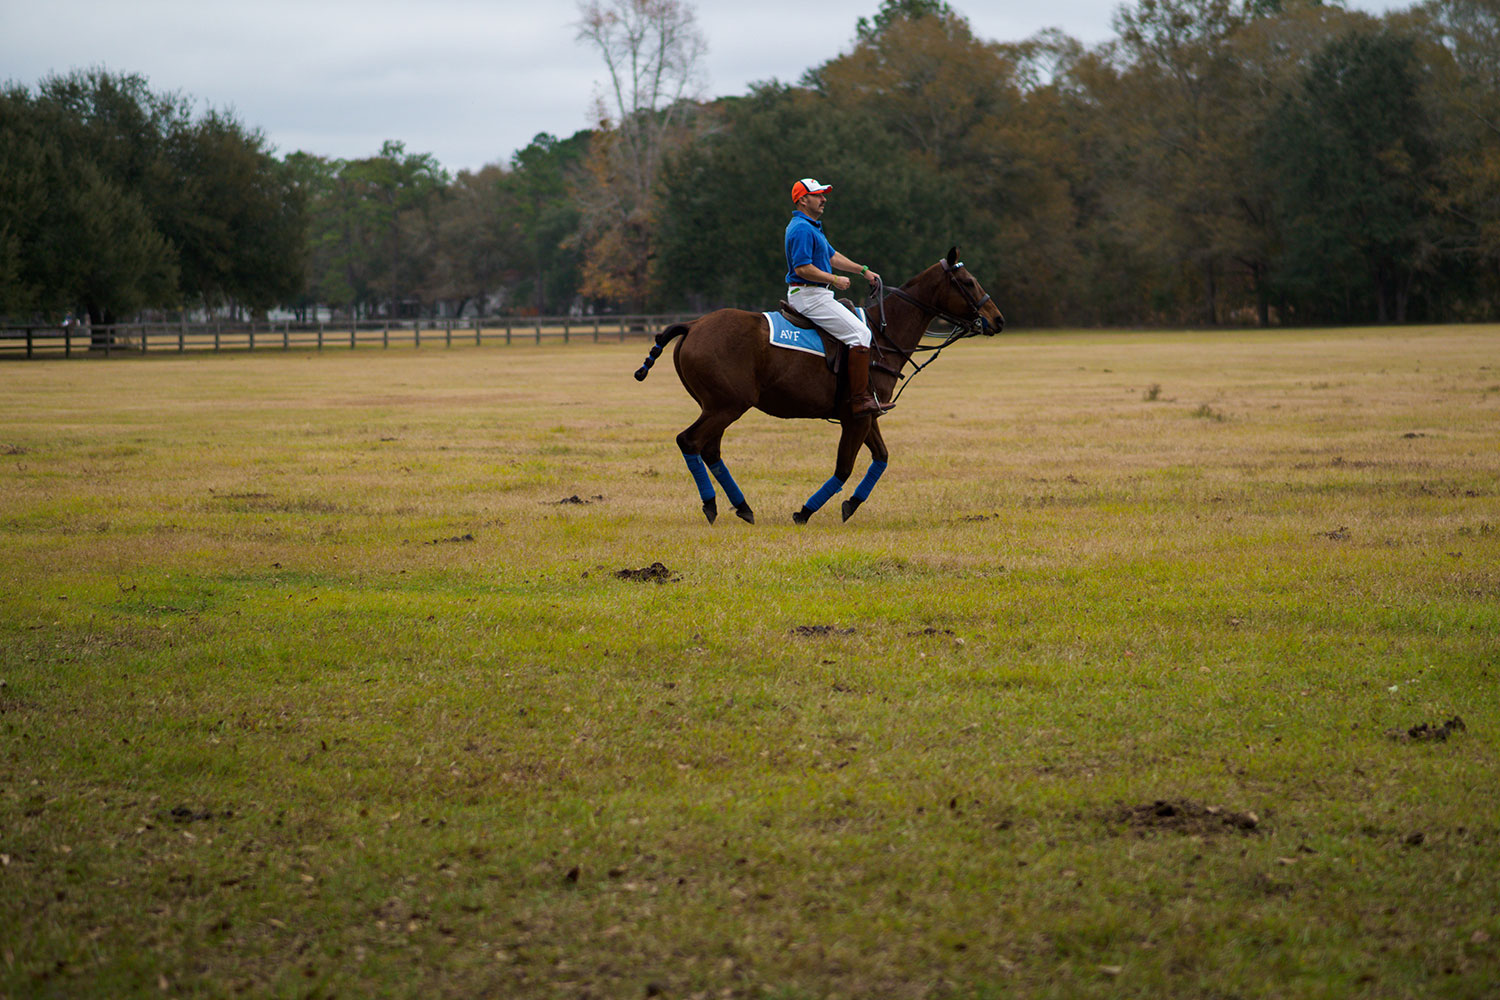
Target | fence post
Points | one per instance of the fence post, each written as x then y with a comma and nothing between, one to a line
353,331
448,336
286,335
416,330
252,335
144,328
507,331
320,335
217,330
539,329
28,341
476,331
385,334
565,329
67,340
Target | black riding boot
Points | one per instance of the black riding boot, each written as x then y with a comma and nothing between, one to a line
861,400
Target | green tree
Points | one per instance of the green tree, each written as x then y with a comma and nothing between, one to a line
76,232
543,176
1353,155
127,201
236,218
893,11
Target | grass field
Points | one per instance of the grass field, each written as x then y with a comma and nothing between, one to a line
311,686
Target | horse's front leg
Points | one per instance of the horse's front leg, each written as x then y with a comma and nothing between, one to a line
854,432
878,457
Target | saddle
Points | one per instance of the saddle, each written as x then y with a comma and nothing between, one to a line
835,351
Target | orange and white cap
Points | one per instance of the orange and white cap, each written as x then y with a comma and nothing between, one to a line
807,186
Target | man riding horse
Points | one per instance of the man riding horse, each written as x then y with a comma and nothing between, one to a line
730,360
810,260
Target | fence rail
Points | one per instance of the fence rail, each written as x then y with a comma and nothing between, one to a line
142,338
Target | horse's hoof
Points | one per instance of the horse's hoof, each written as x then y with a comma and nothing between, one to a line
802,515
744,513
850,506
711,510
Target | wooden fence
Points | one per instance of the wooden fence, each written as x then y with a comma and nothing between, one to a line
155,338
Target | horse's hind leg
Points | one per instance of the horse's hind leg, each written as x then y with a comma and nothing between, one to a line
853,436
699,444
721,472
878,457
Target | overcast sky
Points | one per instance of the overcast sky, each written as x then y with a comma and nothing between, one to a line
470,81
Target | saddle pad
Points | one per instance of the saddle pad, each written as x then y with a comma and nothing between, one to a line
784,334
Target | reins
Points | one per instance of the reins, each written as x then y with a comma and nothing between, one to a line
961,328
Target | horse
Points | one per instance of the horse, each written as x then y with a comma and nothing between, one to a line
728,365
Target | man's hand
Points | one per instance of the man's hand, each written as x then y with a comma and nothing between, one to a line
840,282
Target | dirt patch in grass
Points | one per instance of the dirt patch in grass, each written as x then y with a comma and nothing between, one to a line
1187,817
655,573
575,499
810,630
456,538
1425,733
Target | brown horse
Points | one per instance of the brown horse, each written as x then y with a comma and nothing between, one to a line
727,364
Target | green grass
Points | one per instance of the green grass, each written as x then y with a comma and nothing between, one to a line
311,686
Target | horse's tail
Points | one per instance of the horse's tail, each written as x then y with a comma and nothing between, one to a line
662,340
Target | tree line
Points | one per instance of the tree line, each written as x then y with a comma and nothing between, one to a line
1217,161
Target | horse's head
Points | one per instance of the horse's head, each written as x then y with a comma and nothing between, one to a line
955,291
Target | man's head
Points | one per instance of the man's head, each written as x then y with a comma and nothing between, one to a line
809,196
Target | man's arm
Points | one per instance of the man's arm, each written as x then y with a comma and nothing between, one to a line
813,273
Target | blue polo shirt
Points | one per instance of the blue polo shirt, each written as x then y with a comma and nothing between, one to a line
806,244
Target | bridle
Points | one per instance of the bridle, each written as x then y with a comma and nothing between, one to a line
972,325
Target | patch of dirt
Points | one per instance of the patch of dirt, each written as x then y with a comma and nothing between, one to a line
1187,817
185,814
1339,534
977,518
655,573
806,630
929,630
576,499
1424,733
455,538
11,449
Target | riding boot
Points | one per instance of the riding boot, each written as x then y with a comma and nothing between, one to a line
862,401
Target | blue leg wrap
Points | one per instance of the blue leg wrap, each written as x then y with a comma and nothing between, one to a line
825,493
731,488
862,491
700,475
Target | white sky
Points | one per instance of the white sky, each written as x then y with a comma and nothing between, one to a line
470,81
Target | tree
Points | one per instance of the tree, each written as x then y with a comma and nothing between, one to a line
76,161
128,201
543,175
892,11
1353,155
651,50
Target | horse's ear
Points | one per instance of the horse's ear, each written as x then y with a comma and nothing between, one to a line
952,256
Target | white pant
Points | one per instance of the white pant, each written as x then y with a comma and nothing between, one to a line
819,305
